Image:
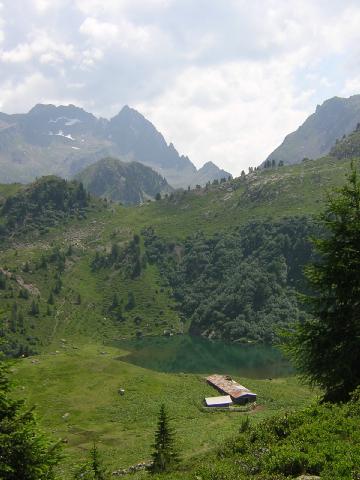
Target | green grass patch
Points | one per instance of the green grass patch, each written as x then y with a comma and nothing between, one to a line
77,399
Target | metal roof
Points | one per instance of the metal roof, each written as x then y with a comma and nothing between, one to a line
227,385
223,400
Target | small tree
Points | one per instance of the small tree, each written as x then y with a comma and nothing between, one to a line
34,308
158,196
58,286
131,301
115,301
93,469
164,457
2,281
24,452
326,347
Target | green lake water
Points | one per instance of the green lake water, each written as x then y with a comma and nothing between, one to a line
187,354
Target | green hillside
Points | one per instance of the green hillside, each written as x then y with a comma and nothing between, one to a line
348,146
76,270
78,273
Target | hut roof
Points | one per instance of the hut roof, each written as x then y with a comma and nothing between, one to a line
227,385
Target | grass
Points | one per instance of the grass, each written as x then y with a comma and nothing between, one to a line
77,399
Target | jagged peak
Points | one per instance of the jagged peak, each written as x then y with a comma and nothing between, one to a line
209,164
70,109
127,112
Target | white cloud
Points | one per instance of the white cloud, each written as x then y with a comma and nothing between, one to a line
99,31
90,57
40,46
118,7
2,24
19,96
233,115
124,35
225,81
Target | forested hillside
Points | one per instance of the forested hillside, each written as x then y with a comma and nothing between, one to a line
45,203
240,286
222,261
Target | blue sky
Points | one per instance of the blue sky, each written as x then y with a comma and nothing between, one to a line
224,80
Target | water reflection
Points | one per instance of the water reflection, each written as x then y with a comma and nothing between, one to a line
198,355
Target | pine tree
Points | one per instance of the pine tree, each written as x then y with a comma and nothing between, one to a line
25,453
93,469
34,309
115,301
326,347
51,299
97,464
131,301
58,286
164,457
2,281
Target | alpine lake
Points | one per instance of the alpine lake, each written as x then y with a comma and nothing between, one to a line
187,354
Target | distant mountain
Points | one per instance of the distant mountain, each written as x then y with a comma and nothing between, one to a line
208,172
127,182
64,140
317,135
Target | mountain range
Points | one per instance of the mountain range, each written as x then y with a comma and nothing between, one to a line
315,138
63,140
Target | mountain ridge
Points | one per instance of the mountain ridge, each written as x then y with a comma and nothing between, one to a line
315,137
62,140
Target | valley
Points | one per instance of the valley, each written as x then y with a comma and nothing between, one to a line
96,297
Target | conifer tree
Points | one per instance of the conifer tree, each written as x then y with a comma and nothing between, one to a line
24,452
93,469
51,300
326,347
34,309
115,301
164,457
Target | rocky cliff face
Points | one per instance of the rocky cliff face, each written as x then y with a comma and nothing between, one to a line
317,135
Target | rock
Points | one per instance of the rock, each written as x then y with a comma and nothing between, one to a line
132,469
308,477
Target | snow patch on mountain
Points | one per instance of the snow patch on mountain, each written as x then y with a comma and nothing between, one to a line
60,133
68,121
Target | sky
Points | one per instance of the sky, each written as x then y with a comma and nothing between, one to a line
224,80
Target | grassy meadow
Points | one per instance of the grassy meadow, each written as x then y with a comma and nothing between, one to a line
75,392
